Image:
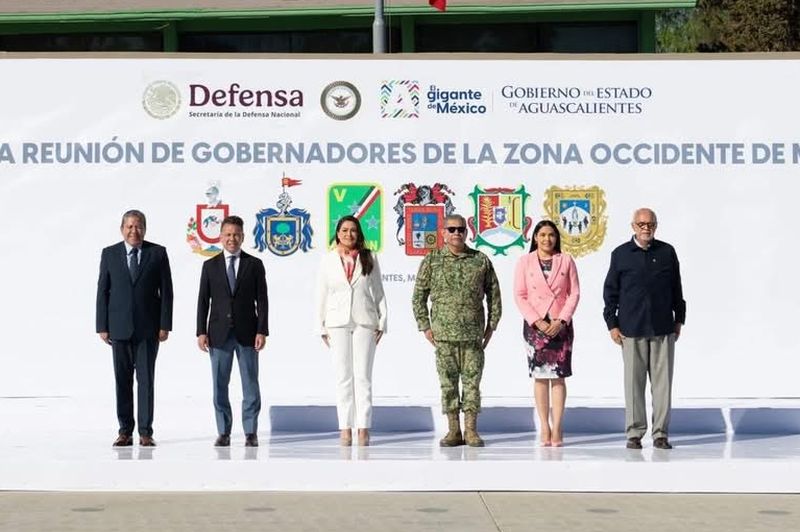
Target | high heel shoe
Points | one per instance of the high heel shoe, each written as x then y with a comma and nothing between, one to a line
363,437
346,437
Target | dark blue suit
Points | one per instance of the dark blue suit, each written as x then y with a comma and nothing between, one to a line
232,319
132,311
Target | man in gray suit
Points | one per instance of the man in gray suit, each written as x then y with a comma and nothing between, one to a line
134,314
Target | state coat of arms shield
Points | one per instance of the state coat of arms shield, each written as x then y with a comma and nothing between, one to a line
421,211
283,234
423,228
362,200
204,228
209,222
579,213
283,229
499,221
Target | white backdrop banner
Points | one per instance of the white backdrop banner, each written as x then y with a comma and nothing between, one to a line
290,145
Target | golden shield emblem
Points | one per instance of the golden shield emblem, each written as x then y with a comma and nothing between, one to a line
579,213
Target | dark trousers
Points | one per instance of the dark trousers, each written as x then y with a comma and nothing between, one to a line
137,356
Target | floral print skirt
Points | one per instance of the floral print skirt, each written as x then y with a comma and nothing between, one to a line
548,358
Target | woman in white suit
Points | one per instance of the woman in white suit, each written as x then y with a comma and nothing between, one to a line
351,318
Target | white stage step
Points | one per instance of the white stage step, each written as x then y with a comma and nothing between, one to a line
65,444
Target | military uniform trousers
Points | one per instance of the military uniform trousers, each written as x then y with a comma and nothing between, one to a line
641,357
464,361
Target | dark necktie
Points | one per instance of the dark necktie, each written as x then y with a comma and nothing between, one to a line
232,273
133,265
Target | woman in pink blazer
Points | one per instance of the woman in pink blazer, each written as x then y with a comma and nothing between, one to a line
546,291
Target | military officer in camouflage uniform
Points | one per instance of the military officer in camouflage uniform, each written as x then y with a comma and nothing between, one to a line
456,278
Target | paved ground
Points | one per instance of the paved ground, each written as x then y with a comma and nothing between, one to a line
379,512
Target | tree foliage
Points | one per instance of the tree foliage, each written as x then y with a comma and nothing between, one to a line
731,26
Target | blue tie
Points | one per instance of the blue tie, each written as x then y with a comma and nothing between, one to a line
232,273
133,265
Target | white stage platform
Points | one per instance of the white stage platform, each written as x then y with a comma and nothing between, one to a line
65,444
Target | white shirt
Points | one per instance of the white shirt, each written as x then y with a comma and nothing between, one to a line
636,240
228,256
128,249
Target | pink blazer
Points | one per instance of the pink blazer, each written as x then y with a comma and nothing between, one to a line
536,296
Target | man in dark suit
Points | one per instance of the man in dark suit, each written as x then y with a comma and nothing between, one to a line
134,314
234,284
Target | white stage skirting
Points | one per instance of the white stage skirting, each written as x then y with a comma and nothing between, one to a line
65,444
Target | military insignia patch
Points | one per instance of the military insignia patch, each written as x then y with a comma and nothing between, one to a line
579,213
340,100
362,200
499,221
283,230
203,230
422,210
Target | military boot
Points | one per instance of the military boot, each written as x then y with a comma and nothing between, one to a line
471,436
453,437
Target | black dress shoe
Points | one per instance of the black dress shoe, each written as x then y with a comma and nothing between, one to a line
634,443
123,440
146,441
250,440
662,443
223,440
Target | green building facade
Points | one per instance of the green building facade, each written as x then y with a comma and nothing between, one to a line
332,26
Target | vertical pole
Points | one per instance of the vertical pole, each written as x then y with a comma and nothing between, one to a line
169,37
378,30
647,32
407,30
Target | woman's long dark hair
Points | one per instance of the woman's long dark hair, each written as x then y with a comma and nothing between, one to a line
546,223
363,253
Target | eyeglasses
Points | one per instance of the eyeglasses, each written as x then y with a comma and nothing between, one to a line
646,225
456,229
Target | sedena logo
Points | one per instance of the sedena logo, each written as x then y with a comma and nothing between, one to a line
162,99
340,100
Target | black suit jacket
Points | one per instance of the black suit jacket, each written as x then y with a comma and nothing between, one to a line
245,311
134,309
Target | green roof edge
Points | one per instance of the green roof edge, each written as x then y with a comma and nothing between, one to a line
339,10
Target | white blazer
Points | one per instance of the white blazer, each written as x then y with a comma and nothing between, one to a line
338,302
